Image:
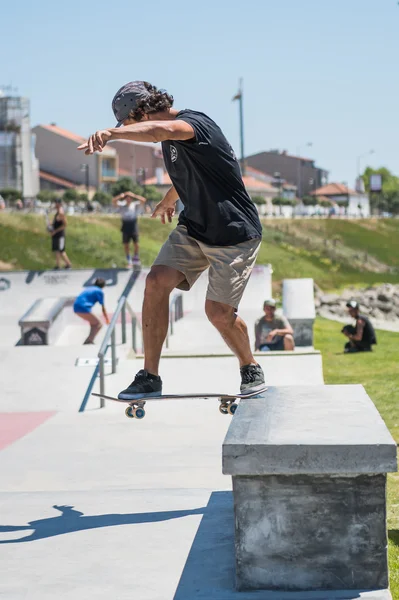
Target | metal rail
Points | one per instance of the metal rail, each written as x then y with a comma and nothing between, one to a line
109,341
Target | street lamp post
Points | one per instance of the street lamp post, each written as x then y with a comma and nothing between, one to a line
358,160
239,97
85,167
299,169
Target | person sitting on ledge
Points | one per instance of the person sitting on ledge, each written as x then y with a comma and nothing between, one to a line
361,335
271,332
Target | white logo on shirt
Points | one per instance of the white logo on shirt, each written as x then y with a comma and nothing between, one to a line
173,153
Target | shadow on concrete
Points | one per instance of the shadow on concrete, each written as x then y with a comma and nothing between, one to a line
209,572
71,520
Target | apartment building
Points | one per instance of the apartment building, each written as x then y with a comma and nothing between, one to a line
19,167
61,163
295,170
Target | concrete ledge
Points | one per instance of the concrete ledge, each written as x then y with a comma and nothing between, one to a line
309,430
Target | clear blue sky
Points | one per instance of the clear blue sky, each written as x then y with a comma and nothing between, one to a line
315,71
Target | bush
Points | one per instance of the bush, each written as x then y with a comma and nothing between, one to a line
126,184
151,194
47,196
309,200
71,195
258,200
10,194
103,198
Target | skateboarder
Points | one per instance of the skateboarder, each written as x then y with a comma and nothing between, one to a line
219,227
83,306
128,211
57,232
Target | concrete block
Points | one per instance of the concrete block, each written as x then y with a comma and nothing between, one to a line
309,430
310,532
299,308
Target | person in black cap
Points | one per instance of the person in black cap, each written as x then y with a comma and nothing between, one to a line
218,229
362,335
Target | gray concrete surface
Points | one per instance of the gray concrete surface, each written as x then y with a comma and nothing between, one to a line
306,532
309,471
299,308
311,429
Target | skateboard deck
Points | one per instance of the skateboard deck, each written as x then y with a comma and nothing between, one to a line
136,407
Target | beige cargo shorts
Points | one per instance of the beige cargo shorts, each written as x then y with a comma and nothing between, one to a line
230,267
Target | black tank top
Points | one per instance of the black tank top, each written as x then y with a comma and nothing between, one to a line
56,224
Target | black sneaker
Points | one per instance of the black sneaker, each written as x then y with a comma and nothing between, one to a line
252,379
144,385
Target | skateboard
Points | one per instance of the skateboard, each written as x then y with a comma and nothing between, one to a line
227,406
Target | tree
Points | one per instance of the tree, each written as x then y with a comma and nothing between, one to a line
151,194
310,200
258,200
10,194
71,195
384,201
103,198
126,184
47,196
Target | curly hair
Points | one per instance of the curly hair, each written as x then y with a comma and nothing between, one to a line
158,101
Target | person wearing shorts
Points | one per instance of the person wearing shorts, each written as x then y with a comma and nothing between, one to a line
129,211
218,229
57,232
273,333
83,306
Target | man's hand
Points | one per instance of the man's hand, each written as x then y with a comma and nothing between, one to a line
166,208
164,211
271,335
96,142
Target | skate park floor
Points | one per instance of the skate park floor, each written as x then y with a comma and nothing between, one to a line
95,505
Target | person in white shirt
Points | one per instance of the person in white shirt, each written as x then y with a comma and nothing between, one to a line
128,204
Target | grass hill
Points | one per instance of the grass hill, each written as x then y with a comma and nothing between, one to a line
334,252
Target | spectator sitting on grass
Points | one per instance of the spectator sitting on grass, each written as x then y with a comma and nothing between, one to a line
361,335
271,332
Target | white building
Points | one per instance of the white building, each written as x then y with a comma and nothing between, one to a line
19,167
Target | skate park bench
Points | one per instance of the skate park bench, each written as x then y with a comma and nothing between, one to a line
309,469
299,308
43,321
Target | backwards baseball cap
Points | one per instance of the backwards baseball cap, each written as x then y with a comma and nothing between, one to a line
269,302
127,99
352,304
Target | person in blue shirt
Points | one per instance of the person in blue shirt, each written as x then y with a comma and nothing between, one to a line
84,303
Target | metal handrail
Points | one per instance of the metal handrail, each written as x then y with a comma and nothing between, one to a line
175,313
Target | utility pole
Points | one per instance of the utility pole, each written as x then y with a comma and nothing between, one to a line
239,97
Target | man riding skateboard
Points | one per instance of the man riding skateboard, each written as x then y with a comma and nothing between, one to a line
219,227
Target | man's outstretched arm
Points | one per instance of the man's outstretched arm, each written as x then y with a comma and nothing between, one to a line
147,131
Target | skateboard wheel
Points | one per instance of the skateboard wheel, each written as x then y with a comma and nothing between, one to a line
232,408
129,412
223,409
139,413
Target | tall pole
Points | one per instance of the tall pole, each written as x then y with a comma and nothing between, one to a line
243,166
239,97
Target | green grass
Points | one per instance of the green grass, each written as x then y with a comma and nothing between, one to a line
378,371
335,253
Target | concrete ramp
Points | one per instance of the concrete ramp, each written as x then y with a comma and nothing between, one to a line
20,289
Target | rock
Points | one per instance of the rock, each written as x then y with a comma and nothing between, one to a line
329,299
377,313
383,297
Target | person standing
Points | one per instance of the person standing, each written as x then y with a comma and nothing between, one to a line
83,306
57,232
129,212
218,229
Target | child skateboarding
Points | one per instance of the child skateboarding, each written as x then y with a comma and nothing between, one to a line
83,306
218,229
